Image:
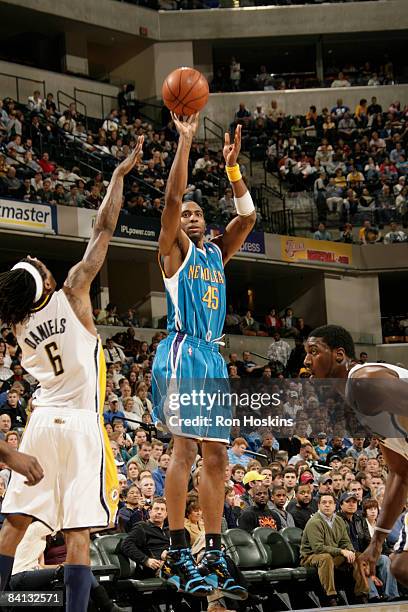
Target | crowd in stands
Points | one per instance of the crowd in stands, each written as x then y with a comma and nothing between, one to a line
237,78
37,142
353,160
174,5
300,473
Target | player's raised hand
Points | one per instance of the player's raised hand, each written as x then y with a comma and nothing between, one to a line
132,160
26,465
186,127
231,150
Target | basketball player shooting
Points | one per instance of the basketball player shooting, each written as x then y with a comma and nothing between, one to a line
193,272
61,349
379,395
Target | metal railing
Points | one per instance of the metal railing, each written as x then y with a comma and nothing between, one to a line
101,97
17,80
213,128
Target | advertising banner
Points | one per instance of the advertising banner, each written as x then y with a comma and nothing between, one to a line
253,245
28,216
307,250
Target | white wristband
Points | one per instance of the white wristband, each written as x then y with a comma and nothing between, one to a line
381,530
244,205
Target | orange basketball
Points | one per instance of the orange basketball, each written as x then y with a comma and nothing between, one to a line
185,91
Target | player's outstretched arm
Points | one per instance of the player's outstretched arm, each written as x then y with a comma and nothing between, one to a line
23,464
171,235
81,276
238,229
395,497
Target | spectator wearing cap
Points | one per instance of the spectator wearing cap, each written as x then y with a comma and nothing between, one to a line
301,508
322,449
336,462
277,505
326,545
305,454
114,411
259,514
236,454
249,481
360,538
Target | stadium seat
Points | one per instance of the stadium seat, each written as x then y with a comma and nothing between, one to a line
102,571
107,546
293,535
283,559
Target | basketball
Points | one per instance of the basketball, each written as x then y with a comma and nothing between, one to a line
185,91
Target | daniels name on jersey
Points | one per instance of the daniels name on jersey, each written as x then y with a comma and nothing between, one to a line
45,330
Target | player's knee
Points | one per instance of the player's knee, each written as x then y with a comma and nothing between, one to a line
77,541
184,453
215,459
399,568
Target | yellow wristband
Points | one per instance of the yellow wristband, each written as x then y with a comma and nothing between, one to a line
233,173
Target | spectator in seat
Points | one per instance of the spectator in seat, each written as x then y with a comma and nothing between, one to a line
259,515
232,507
279,501
127,514
360,538
193,522
237,475
143,459
249,325
268,448
301,508
341,81
113,354
236,454
5,425
279,351
272,321
159,474
35,102
326,545
322,233
395,235
13,408
148,541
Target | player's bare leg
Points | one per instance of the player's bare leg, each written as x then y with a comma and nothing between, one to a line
399,567
179,567
77,572
12,532
212,493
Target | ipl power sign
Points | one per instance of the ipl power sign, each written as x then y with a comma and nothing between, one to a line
28,216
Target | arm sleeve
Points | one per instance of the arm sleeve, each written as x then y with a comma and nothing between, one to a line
133,546
246,521
316,540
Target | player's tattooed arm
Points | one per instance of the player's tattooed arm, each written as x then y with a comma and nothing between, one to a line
171,235
238,229
81,276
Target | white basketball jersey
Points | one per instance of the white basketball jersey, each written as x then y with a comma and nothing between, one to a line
65,358
384,425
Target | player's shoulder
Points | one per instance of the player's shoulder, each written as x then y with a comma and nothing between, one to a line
373,370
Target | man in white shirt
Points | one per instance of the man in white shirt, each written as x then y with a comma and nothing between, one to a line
113,353
341,81
279,350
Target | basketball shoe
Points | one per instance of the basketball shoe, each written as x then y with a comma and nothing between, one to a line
214,568
180,570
